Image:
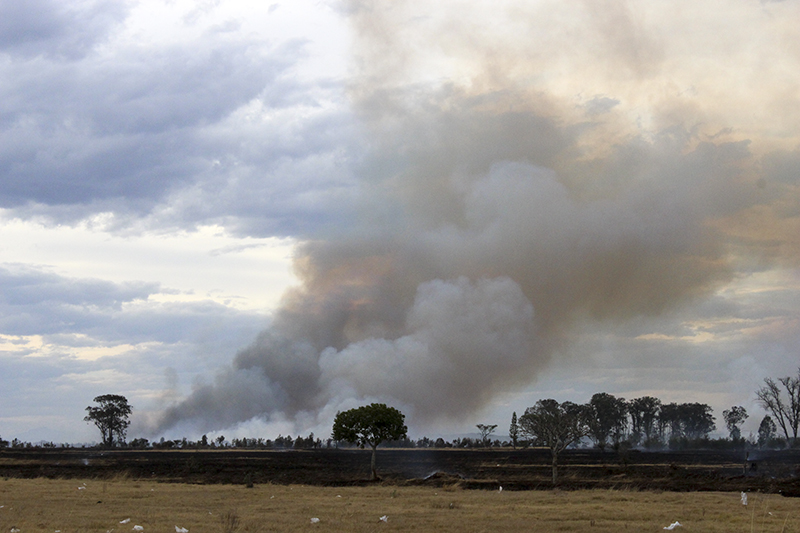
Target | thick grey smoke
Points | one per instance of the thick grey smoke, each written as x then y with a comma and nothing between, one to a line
496,217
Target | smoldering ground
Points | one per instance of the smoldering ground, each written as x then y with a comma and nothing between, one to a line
498,211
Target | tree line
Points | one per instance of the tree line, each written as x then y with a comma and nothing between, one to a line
605,421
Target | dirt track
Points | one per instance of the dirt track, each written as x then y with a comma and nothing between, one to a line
479,469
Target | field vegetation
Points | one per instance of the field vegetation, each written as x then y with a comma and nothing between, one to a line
120,504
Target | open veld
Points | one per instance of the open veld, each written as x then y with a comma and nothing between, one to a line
120,504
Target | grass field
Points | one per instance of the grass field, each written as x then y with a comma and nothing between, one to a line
88,506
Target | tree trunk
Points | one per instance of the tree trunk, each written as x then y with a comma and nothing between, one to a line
372,464
555,467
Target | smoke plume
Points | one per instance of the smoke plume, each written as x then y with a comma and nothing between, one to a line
499,210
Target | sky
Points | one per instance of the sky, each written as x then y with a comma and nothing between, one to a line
246,217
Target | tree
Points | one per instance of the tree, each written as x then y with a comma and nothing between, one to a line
370,425
669,421
110,417
486,432
644,413
608,418
785,411
733,417
513,430
766,431
696,420
690,421
555,425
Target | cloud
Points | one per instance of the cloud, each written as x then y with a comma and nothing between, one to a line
57,29
64,341
600,104
215,126
90,312
125,130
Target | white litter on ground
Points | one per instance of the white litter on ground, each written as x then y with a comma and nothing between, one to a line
315,520
125,521
138,528
673,525
81,488
744,498
384,518
181,530
14,530
501,488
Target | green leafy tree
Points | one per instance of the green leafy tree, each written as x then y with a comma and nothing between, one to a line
783,404
111,418
513,430
767,431
644,413
608,418
555,426
733,418
370,425
696,420
689,421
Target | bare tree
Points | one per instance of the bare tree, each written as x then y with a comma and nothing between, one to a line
555,426
784,409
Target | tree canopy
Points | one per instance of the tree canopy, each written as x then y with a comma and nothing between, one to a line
370,425
555,426
110,417
608,418
733,418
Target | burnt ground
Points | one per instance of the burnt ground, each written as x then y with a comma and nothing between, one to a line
777,471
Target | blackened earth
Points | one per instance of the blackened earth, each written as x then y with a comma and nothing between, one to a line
490,469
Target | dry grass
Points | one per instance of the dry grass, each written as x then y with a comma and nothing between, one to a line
47,505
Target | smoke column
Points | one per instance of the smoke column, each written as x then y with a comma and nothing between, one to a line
517,181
